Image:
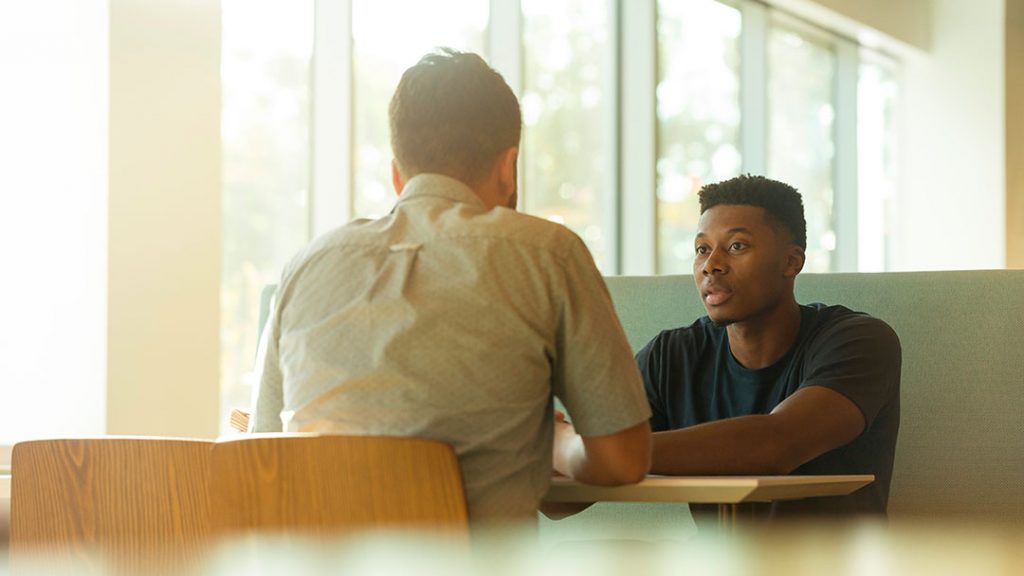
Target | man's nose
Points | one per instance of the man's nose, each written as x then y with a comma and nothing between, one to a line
714,264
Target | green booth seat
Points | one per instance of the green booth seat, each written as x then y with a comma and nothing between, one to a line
960,453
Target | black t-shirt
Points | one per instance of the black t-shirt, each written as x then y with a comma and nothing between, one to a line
691,377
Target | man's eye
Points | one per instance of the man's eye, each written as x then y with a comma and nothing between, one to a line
702,250
735,246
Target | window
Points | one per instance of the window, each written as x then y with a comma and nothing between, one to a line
698,111
628,109
801,118
384,46
265,124
568,113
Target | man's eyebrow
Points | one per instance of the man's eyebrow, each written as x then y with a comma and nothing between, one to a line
730,231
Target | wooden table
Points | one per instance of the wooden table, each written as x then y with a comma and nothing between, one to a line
726,491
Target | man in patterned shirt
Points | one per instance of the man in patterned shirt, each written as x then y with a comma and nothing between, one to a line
457,318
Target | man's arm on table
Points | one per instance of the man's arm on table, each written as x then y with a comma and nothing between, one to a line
610,460
812,421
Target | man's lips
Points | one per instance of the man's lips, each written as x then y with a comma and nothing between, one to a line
715,295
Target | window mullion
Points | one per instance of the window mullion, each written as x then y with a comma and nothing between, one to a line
613,200
754,88
845,205
638,136
505,54
331,194
504,42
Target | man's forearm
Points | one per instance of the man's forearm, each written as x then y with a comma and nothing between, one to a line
571,459
809,423
609,460
742,445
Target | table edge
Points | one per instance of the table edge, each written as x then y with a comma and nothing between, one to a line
708,489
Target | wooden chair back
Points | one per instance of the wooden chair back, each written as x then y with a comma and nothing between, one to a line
326,485
111,504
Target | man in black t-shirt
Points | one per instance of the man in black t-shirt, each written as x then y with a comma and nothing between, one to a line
763,385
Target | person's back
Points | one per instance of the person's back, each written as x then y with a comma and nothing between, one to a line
456,319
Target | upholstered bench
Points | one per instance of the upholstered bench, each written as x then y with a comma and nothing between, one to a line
961,444
960,452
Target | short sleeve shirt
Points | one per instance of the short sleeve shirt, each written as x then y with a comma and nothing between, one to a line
449,321
691,377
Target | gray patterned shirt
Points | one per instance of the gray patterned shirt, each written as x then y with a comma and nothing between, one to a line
449,321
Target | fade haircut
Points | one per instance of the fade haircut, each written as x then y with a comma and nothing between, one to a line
452,114
781,202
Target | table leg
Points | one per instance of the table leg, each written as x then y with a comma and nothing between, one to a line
727,516
732,516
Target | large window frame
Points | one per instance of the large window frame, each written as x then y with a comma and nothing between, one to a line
630,191
631,219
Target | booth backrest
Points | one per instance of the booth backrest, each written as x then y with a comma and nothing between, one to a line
961,442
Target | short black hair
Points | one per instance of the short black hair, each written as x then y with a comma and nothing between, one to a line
781,202
452,114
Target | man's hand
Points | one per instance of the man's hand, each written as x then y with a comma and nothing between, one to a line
623,457
564,432
565,435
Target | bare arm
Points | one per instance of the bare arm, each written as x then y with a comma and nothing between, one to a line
809,423
620,458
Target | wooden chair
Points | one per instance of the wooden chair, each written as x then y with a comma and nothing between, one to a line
325,485
113,504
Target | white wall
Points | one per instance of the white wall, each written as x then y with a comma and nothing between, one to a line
165,218
110,197
906,21
53,220
950,205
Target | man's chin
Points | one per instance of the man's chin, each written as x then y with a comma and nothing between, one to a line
721,321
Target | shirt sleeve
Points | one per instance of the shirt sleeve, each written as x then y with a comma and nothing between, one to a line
649,361
859,357
594,373
269,394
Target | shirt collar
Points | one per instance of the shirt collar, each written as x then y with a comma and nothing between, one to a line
439,186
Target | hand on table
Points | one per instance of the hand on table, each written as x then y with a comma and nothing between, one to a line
564,434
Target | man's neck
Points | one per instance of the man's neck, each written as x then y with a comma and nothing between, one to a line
760,342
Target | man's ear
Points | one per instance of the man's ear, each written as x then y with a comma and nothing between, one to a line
507,168
795,258
396,177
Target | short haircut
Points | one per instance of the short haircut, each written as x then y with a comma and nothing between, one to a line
452,114
781,202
